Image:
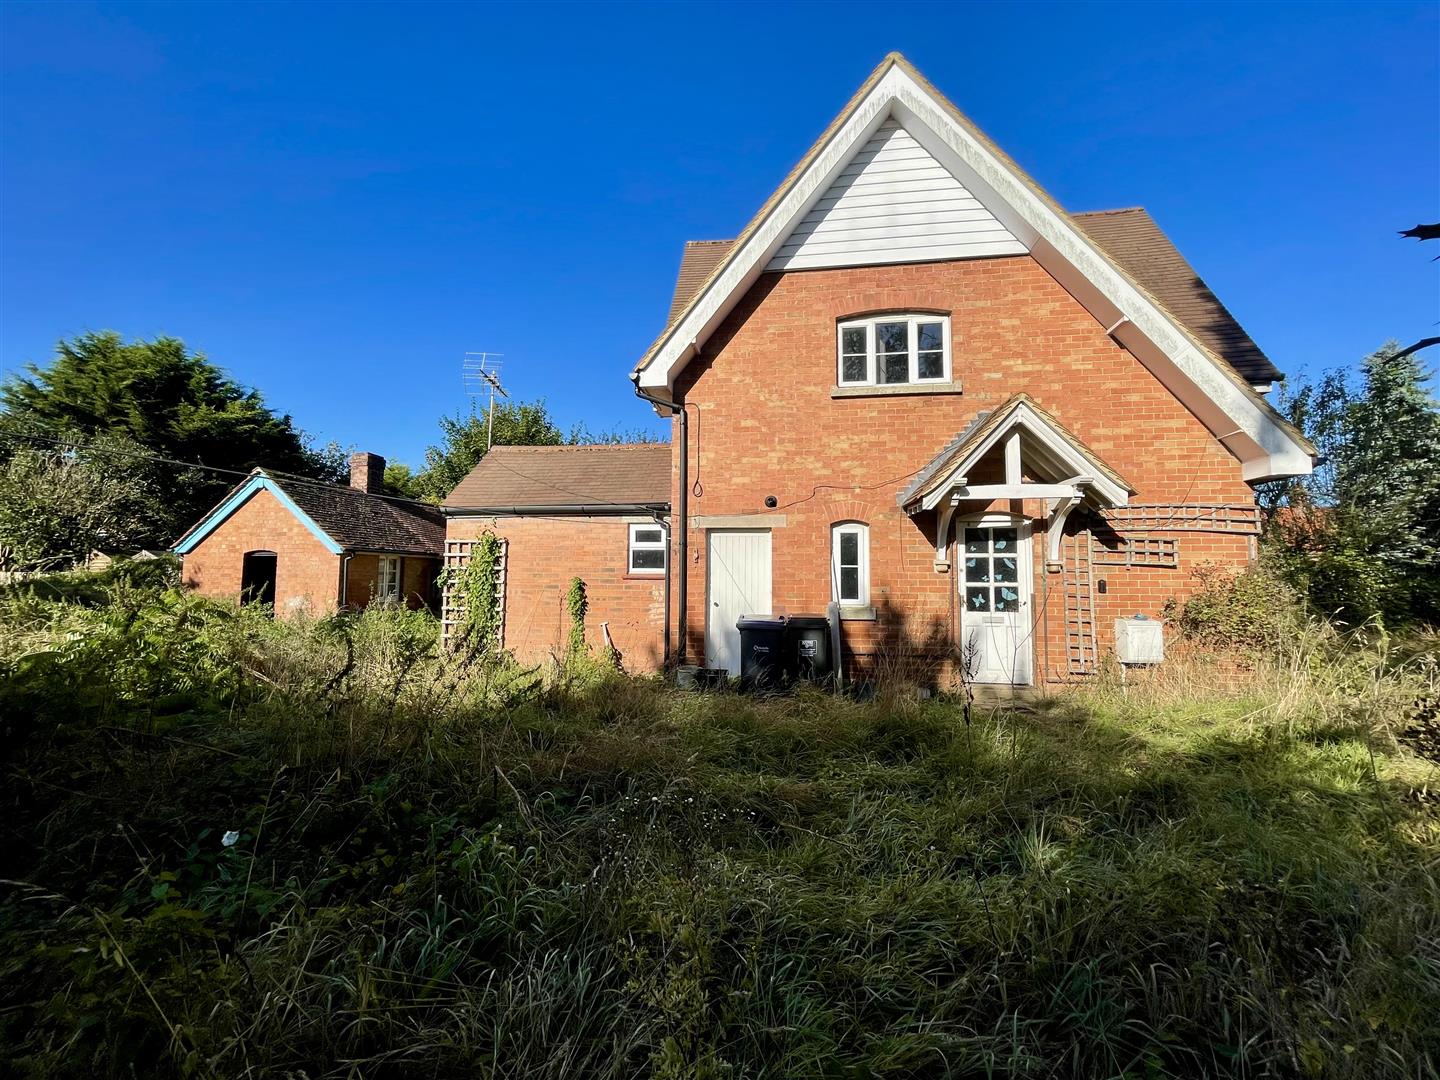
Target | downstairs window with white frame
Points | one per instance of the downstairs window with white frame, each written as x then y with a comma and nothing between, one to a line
387,579
893,350
850,564
648,544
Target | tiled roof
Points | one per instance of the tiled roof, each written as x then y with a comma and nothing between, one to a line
1143,251
594,476
360,522
979,429
1134,241
699,259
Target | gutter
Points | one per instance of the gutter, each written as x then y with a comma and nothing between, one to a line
555,509
682,526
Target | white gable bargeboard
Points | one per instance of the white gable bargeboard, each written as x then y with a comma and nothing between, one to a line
894,203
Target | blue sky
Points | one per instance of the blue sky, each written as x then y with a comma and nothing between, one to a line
335,202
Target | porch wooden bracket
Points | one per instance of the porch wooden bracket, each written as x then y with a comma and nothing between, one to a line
1059,511
942,532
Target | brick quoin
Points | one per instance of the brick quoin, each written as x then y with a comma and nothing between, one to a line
544,555
764,423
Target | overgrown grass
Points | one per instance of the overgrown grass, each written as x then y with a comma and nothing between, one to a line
447,870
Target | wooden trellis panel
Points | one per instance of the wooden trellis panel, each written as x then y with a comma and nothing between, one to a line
1185,517
1157,551
1078,588
452,608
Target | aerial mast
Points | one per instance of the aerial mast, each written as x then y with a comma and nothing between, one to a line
481,372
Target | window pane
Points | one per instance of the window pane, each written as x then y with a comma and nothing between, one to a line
977,569
852,340
930,336
932,365
849,549
1005,568
853,369
1004,539
849,583
976,540
648,559
977,599
895,369
648,536
892,337
1007,599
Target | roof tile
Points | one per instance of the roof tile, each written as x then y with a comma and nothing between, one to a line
595,475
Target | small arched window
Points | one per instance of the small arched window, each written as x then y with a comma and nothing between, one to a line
850,563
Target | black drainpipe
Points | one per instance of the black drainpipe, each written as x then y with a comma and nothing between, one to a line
683,525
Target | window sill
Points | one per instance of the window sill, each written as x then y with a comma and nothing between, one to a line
897,390
856,613
658,576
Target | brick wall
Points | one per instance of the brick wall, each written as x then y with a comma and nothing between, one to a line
767,425
544,555
306,573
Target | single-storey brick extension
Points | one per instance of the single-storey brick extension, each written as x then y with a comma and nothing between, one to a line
914,393
311,547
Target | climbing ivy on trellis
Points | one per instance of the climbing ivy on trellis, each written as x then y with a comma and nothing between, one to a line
477,585
576,603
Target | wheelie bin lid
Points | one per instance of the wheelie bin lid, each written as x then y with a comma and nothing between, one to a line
760,622
808,622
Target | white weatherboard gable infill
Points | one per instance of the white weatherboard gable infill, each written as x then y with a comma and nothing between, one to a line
1237,418
894,203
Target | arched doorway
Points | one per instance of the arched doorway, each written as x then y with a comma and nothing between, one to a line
257,578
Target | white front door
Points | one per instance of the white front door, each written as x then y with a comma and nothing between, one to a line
994,581
738,583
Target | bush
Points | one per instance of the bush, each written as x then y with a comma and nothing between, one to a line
1247,610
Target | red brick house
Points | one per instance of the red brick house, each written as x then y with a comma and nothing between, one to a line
916,391
309,546
598,513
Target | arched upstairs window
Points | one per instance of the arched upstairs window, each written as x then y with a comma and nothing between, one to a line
850,563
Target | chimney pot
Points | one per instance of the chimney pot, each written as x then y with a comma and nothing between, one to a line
367,473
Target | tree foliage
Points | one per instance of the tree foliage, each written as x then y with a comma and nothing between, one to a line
58,503
171,403
1362,535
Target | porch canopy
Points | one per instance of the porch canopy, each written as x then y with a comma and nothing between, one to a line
1041,460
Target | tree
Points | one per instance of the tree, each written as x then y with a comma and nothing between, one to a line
172,403
1362,534
402,482
60,502
466,438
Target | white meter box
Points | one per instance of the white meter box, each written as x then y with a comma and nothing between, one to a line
1139,640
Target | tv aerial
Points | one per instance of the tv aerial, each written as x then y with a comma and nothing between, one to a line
481,374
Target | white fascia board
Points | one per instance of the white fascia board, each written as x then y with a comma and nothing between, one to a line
1026,418
746,265
1061,249
1239,421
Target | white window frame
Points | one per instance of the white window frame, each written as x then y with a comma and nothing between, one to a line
868,324
861,530
389,583
662,545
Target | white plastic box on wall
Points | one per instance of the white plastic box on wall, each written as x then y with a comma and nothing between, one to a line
1139,640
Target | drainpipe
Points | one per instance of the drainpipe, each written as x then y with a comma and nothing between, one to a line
344,579
682,524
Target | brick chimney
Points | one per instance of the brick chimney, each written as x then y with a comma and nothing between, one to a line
367,472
